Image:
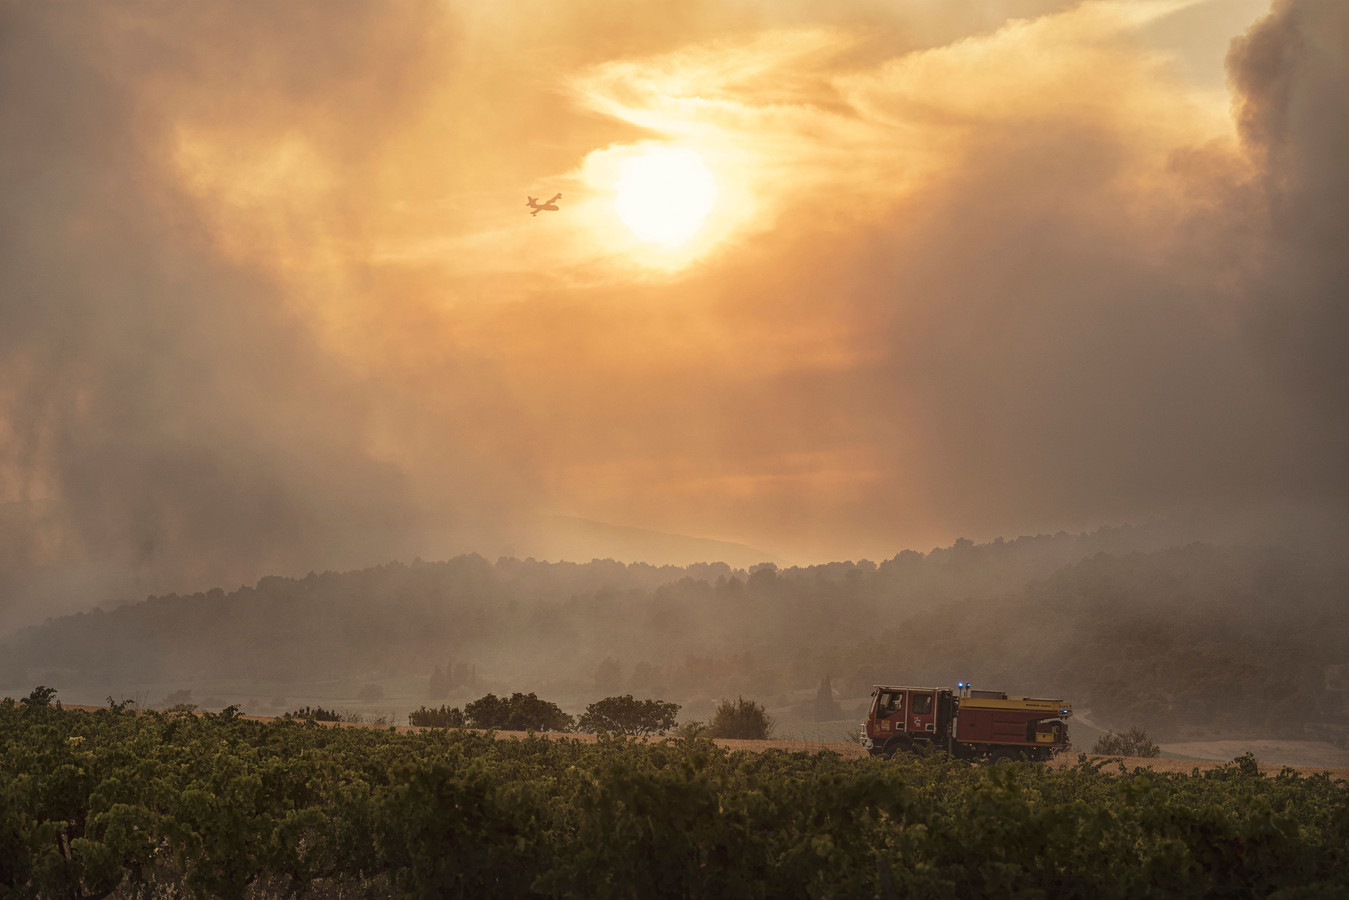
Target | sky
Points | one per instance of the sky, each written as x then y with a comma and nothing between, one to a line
830,279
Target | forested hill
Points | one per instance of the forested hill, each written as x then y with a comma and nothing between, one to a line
1243,638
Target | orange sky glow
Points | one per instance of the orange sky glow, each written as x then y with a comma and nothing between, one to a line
928,269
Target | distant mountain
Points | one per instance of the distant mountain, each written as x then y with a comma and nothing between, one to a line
581,540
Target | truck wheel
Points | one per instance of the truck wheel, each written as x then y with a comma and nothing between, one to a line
1001,757
898,745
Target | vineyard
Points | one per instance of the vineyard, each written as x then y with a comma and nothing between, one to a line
112,803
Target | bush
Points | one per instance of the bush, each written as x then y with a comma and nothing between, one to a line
742,719
624,715
315,714
445,717
1134,742
691,730
40,698
522,712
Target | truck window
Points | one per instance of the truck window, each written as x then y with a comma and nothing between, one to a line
890,703
922,704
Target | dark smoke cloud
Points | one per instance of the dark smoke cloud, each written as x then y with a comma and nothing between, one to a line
1059,350
165,422
1291,75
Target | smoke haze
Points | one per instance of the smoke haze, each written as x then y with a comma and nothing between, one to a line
271,303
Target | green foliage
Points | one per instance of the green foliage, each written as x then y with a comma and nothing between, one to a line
625,715
40,698
519,712
742,719
162,805
315,714
693,729
227,714
444,717
1134,742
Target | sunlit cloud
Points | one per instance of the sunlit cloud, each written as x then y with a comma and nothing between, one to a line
787,122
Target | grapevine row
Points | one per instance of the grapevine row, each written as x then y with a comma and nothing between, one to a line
95,804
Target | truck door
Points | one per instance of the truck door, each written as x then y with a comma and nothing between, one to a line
888,715
922,712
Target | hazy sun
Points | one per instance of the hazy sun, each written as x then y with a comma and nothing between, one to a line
664,195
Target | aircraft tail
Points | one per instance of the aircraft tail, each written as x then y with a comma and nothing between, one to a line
531,201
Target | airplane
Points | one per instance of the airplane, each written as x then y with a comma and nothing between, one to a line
534,204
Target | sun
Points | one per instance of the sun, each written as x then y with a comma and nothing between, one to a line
663,195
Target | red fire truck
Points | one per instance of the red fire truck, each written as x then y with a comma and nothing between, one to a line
969,724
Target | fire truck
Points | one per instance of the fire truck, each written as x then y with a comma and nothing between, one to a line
968,724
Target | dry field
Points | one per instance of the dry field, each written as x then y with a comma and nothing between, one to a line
1294,753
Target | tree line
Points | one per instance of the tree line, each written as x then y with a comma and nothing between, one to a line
736,719
1161,638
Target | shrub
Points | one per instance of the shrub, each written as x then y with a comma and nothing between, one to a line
691,730
522,712
742,719
39,699
1134,742
624,715
315,714
445,717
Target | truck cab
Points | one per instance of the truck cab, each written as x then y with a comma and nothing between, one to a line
902,718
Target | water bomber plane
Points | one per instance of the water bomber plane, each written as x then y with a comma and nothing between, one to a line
537,207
